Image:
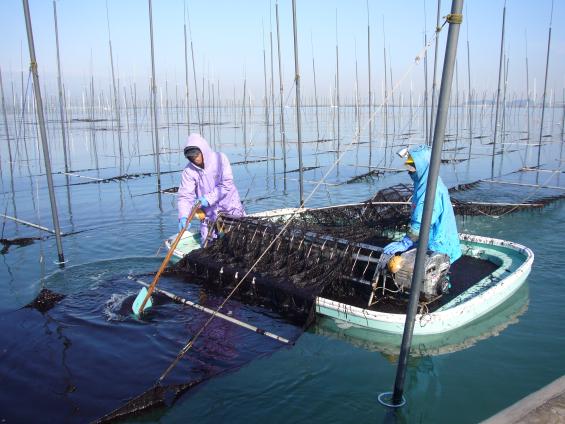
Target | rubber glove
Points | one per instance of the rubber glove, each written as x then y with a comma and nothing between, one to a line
398,246
182,223
203,202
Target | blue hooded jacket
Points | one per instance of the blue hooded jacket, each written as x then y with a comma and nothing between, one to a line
444,237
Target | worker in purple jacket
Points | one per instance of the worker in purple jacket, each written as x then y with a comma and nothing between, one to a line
206,178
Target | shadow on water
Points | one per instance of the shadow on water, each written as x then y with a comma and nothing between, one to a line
86,354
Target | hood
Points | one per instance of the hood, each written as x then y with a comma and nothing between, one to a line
421,155
196,140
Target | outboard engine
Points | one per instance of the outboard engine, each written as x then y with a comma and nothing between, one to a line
436,268
397,270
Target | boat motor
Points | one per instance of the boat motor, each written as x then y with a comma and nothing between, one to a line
400,268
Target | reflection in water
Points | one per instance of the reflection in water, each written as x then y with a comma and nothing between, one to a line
490,325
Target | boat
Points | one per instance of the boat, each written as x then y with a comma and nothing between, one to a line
489,272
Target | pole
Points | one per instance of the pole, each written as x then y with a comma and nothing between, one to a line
194,74
42,132
469,96
498,91
60,87
186,75
545,87
6,129
115,92
298,124
281,93
454,20
337,88
154,97
434,78
369,77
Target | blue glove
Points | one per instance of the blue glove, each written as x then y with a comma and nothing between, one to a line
398,246
203,202
182,223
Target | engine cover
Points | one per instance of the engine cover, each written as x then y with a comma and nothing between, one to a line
435,273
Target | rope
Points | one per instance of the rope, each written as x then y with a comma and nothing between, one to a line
454,18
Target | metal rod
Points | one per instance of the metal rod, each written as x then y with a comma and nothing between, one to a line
154,98
42,132
439,133
217,314
298,123
29,224
60,88
498,90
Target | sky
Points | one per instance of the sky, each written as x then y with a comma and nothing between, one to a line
229,38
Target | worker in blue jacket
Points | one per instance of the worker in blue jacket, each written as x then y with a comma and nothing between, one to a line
443,231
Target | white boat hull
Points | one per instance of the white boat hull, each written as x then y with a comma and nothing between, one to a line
514,260
515,264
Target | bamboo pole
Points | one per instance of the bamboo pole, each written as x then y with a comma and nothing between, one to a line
297,86
42,132
500,70
194,75
60,89
545,85
186,73
115,93
154,103
316,106
4,113
281,94
369,78
272,86
469,93
434,79
266,98
337,87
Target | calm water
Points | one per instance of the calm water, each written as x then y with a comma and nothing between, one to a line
87,355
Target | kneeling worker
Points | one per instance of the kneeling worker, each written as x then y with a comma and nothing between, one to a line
207,178
443,231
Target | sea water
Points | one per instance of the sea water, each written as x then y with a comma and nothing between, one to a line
88,355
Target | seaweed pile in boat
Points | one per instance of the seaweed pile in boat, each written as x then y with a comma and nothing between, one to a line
316,252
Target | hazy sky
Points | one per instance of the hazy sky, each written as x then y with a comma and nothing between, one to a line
229,37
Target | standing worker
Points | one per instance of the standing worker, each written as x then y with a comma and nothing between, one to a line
443,232
207,178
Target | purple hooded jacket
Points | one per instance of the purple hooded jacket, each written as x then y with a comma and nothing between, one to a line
214,181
